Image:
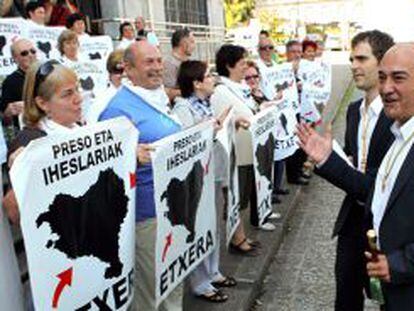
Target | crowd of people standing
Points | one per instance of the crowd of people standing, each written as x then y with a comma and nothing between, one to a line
177,92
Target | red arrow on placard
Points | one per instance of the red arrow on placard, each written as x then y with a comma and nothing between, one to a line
168,243
132,180
65,279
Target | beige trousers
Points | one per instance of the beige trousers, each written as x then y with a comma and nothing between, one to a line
144,288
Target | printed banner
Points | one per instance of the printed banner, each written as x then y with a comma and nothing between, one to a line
262,128
45,39
93,79
316,87
308,109
77,207
285,137
225,152
11,29
183,170
282,77
95,48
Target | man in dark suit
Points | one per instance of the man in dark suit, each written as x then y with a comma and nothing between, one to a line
367,139
390,204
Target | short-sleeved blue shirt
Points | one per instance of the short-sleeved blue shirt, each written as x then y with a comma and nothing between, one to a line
152,126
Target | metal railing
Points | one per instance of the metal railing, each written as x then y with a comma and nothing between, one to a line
208,38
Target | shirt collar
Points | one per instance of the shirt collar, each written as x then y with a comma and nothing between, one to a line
403,132
375,107
241,87
271,64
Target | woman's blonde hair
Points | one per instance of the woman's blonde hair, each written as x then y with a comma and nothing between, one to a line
66,35
44,87
115,60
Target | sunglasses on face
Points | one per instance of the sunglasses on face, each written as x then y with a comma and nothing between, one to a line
26,52
266,48
118,70
247,78
43,72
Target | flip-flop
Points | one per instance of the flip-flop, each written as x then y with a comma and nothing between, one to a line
217,297
254,243
237,250
227,281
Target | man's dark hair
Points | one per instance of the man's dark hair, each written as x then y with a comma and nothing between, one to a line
379,41
189,72
228,55
72,18
178,35
121,28
264,32
291,43
32,6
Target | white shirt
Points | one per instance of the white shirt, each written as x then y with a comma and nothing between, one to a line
381,196
373,113
242,91
266,82
124,43
157,98
51,127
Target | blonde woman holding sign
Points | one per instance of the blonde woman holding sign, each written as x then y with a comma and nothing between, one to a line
52,103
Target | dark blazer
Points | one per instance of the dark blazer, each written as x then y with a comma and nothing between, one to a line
357,185
396,236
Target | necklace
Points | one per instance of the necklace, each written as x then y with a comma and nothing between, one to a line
365,122
391,161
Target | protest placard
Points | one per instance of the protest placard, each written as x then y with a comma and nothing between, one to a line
183,170
76,197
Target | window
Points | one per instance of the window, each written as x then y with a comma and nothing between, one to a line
186,11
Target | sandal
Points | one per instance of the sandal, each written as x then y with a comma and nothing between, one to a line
217,297
254,243
238,250
227,281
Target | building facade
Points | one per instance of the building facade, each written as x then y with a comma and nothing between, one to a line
204,17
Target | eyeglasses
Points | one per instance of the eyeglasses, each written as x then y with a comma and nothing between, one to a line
118,70
266,48
26,52
43,72
251,77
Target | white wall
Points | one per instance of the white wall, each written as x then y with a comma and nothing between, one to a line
395,17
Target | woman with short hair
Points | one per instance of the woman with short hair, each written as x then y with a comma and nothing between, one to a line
196,85
233,92
68,46
126,35
115,69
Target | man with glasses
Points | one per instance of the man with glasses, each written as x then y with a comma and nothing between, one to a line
266,66
11,104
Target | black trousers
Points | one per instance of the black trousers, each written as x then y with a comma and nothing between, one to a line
294,165
247,191
350,273
278,168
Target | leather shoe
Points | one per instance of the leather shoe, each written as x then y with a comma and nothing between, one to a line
306,175
300,181
275,199
282,191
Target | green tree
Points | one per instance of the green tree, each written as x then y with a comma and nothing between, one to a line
238,11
